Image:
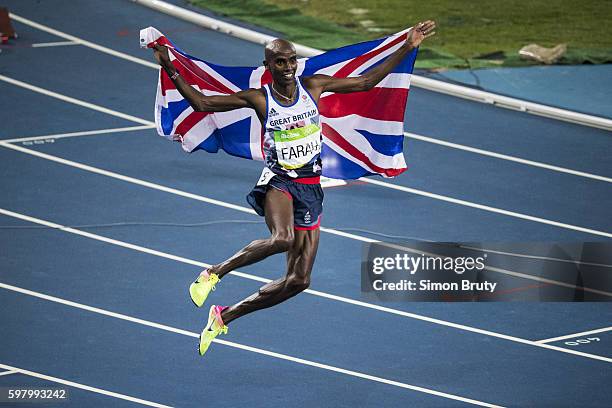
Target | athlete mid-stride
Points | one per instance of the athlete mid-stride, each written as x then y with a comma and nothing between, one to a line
288,193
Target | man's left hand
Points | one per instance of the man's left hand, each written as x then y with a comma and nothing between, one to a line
419,32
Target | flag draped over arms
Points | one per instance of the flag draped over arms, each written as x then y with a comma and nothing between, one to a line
362,131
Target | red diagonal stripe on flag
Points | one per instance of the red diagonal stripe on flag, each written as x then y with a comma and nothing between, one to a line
335,137
386,104
190,121
266,78
359,61
190,78
201,74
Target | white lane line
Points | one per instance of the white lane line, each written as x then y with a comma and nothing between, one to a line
155,66
123,244
571,336
84,387
241,347
77,134
325,182
251,211
548,281
309,291
506,157
323,229
75,101
81,41
9,372
407,134
127,178
54,44
486,208
370,181
543,258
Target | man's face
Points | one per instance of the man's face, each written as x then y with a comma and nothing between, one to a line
281,60
283,67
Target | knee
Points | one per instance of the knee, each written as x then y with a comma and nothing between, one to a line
283,241
297,284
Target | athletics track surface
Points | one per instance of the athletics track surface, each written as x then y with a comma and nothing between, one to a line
99,307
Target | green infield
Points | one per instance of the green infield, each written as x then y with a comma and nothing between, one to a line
470,33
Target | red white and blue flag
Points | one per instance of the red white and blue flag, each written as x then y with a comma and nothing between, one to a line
362,131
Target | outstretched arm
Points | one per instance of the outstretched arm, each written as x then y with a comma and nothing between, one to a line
318,84
197,100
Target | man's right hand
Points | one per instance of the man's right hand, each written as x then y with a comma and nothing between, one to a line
161,56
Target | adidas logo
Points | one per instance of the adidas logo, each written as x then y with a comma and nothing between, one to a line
272,112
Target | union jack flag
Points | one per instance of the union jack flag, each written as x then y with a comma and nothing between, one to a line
362,131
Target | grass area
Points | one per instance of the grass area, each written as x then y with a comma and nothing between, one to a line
470,33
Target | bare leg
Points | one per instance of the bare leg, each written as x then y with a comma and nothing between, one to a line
300,258
279,218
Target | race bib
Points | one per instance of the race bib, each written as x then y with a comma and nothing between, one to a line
297,147
266,176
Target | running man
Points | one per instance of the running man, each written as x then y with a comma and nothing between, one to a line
288,193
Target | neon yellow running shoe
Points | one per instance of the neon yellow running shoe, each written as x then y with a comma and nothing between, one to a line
202,286
214,327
